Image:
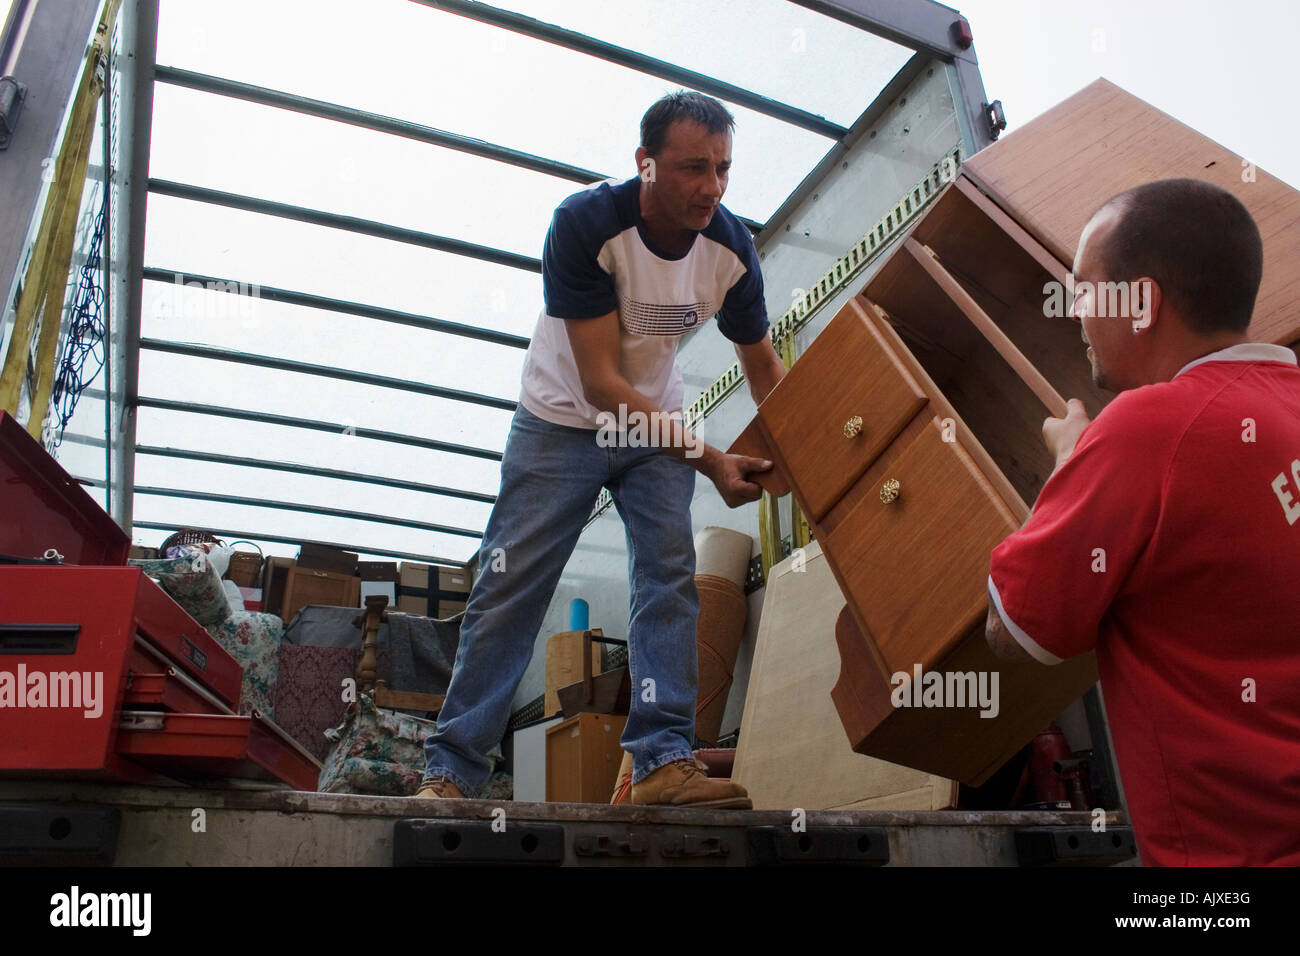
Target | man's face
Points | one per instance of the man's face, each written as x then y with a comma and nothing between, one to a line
689,176
1103,308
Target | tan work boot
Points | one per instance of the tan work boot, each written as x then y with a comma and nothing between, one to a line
439,788
684,783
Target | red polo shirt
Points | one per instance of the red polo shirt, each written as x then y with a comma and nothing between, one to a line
1169,542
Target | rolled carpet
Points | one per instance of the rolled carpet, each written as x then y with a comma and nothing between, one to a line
718,633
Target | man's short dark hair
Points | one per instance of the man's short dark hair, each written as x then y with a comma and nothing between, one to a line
683,104
1197,241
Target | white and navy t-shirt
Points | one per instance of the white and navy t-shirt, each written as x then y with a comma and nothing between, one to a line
598,259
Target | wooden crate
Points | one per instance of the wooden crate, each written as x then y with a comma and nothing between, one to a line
564,664
275,574
583,754
305,586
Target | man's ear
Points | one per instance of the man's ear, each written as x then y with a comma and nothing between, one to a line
1144,303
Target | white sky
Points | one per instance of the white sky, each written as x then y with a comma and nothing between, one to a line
1204,63
1221,68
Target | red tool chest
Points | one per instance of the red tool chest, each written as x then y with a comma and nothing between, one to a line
102,674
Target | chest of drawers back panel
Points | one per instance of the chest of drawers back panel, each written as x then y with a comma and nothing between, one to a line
1052,174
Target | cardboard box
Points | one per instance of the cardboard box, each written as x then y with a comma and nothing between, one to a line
527,756
387,588
379,577
792,751
324,558
583,755
419,594
378,571
143,554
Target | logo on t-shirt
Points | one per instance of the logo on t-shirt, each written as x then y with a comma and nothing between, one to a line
648,318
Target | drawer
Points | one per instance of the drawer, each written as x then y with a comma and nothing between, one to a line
848,374
200,746
915,568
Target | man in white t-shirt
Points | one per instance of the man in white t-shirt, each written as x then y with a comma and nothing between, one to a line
627,269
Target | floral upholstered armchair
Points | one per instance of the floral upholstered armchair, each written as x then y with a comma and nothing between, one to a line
252,638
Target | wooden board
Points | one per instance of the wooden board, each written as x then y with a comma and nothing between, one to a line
564,664
752,443
304,586
582,758
1053,173
793,750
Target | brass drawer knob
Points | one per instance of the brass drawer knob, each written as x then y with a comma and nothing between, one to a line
890,491
853,427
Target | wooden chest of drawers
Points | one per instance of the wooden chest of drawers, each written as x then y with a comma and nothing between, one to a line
909,431
912,562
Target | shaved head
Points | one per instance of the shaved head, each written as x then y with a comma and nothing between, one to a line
1196,240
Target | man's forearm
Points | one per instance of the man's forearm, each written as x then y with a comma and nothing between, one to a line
764,378
668,431
1000,640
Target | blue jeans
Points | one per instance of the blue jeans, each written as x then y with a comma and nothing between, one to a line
551,476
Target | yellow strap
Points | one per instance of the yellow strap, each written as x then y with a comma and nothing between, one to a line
45,283
769,532
769,514
800,534
36,280
56,288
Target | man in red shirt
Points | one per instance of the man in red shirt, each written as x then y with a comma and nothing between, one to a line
1168,536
